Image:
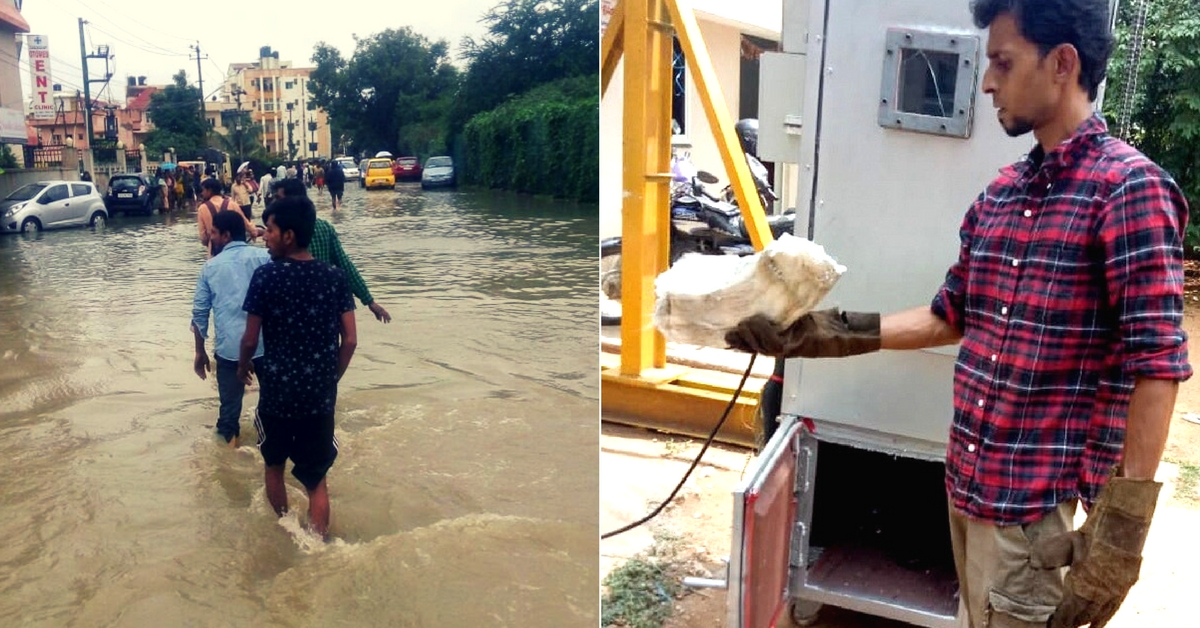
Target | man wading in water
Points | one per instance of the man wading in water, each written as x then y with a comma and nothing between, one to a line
306,313
221,288
1068,300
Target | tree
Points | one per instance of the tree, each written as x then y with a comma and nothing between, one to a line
395,87
528,43
175,111
1165,111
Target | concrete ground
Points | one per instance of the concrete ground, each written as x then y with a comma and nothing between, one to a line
639,468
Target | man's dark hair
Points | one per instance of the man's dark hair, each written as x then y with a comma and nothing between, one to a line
231,222
212,185
1048,23
296,213
292,187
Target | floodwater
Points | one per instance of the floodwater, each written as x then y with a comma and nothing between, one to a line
465,493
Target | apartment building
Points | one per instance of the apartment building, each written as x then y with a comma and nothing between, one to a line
276,94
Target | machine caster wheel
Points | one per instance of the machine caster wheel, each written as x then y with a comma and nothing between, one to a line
805,612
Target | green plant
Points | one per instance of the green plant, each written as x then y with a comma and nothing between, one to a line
640,593
1188,483
7,158
545,141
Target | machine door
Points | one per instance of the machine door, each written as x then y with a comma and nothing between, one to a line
764,519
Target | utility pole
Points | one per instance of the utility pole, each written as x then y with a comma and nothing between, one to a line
303,109
200,78
101,53
87,92
237,127
291,145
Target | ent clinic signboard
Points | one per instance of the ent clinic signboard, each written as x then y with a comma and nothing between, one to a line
39,70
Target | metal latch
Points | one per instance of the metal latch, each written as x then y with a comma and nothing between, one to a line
792,125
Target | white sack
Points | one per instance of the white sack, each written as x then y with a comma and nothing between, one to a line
702,297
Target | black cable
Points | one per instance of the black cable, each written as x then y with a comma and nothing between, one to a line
711,437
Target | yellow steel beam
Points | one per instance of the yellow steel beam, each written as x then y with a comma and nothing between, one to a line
661,54
682,401
692,43
646,155
612,46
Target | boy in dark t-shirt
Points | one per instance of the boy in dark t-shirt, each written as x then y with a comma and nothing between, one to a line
303,307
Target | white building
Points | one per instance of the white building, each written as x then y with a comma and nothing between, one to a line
734,34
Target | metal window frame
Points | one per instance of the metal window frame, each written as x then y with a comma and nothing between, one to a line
965,45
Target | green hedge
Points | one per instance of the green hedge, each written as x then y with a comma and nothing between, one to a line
546,141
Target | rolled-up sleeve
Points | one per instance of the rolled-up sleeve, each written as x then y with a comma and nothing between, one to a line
949,304
1142,233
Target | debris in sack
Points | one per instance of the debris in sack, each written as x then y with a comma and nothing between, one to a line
702,297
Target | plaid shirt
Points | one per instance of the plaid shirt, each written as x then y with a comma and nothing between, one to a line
1068,286
326,247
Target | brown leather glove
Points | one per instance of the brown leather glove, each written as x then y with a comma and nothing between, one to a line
1105,554
823,334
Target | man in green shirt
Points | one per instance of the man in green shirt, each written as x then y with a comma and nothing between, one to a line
326,247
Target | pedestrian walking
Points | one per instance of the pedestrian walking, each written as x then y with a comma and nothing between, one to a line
305,312
221,290
264,187
1067,298
319,176
240,191
213,202
335,178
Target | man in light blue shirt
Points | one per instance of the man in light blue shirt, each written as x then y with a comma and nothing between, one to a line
221,288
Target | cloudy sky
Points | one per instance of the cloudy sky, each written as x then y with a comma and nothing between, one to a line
152,39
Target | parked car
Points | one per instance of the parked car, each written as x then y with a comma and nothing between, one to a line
129,193
378,174
439,172
52,205
349,168
407,168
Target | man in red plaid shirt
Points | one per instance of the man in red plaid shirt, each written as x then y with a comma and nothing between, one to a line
1067,298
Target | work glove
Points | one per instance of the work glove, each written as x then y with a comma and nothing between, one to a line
823,334
1105,554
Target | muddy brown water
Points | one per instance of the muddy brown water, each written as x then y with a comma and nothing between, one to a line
465,493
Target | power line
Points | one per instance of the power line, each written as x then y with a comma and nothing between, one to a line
116,25
125,14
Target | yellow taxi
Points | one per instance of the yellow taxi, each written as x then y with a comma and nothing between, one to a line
377,173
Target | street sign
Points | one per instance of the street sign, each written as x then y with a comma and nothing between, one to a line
39,71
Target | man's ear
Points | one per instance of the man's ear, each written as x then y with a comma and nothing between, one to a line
1065,63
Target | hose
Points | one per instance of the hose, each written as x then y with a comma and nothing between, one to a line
712,435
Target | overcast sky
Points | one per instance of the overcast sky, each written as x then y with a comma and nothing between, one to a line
152,39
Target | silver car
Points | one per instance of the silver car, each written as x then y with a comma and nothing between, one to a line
52,205
349,168
438,172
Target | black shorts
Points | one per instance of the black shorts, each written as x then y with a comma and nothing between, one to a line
309,442
336,191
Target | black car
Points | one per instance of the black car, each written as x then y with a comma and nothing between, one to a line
130,193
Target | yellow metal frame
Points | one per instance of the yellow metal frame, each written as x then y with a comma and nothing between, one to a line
639,32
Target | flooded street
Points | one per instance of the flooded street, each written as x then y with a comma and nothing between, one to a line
465,492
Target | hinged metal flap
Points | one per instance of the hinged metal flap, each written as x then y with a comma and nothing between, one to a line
763,520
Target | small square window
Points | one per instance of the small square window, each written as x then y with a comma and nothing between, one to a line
927,79
929,82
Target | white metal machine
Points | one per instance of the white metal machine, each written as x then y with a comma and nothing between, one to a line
879,105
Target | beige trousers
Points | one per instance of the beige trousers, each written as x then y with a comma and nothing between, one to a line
997,586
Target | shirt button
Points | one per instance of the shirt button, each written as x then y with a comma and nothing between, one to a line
1028,213
980,403
994,357
1004,311
971,448
1016,262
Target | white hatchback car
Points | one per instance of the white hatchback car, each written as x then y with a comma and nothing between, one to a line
52,205
349,168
